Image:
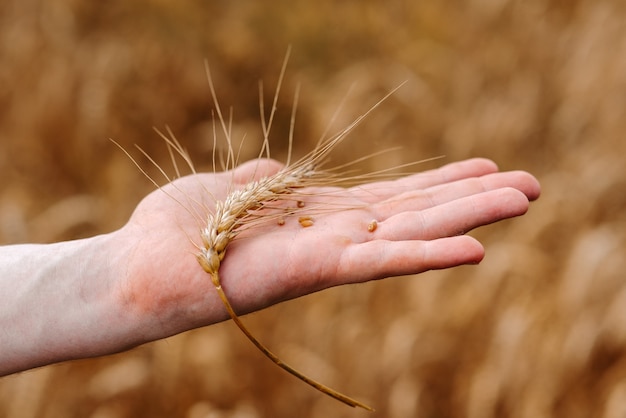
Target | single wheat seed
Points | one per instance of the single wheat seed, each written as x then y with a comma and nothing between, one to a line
305,221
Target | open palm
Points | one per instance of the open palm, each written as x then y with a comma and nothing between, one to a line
420,222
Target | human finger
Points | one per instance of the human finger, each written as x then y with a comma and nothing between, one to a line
383,258
455,217
443,193
255,169
474,167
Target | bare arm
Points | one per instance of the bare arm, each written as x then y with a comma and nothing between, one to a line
108,293
58,302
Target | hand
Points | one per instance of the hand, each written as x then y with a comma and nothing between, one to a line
420,219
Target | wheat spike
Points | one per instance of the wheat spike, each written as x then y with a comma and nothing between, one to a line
237,210
241,206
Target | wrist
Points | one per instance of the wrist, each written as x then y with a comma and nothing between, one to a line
60,302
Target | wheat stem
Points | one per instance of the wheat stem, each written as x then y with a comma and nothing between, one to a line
242,208
274,358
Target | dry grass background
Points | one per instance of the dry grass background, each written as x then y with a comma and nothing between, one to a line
537,330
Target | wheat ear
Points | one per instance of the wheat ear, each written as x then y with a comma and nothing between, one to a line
222,228
241,207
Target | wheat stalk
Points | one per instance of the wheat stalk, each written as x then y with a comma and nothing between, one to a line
241,205
241,208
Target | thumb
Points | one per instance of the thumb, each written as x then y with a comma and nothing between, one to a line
255,170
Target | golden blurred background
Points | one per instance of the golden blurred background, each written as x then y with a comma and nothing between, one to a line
537,330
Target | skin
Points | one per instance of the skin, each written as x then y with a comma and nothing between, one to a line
141,283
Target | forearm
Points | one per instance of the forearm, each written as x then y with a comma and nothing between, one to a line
60,302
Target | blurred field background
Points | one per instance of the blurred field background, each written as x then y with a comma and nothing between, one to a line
537,330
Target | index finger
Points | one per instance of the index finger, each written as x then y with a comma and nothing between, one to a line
475,167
